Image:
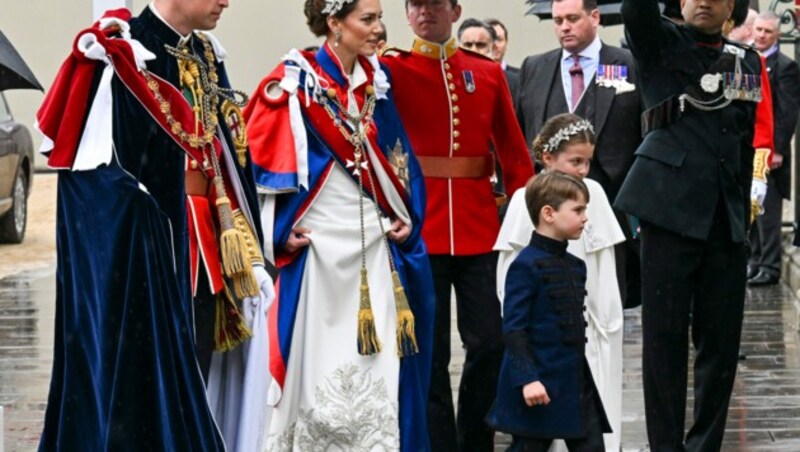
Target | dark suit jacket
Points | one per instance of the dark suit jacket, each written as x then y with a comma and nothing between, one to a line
617,116
784,78
512,76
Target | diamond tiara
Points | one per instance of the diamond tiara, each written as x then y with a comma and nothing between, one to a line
332,7
565,133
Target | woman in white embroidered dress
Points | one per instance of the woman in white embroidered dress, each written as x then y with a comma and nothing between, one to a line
566,144
342,211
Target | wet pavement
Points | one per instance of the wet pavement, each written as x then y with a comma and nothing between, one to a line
764,414
27,312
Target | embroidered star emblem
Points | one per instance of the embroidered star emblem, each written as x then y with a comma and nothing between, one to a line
356,170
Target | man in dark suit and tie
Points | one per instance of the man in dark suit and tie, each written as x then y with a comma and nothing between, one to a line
596,81
500,47
784,76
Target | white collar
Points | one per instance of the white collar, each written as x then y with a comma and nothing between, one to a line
591,51
771,51
359,76
219,51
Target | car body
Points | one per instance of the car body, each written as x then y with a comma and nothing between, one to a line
16,175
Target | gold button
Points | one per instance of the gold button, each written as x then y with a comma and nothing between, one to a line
456,122
447,66
454,97
452,87
456,109
193,164
456,146
456,134
449,76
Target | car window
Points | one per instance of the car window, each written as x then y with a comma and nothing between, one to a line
5,115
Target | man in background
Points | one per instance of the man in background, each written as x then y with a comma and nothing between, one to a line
500,48
764,267
455,106
596,81
478,36
744,33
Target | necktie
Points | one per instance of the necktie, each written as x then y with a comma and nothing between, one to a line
576,75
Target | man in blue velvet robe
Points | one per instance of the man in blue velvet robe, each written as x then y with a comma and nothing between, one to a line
116,125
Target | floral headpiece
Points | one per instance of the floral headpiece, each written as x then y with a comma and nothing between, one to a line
332,7
565,133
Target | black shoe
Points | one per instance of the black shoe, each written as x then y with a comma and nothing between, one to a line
752,271
763,279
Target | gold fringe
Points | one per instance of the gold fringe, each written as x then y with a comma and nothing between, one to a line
233,248
245,283
230,329
406,337
368,342
755,211
235,257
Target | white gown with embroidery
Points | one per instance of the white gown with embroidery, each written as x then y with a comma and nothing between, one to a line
603,301
335,399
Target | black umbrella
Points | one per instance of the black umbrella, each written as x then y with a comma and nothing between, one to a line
14,73
609,10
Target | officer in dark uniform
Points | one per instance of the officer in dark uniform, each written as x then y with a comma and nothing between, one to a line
690,186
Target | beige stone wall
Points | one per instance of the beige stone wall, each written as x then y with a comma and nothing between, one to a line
255,32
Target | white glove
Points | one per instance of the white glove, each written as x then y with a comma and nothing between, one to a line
266,287
758,191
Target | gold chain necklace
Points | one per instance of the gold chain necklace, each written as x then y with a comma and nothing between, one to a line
368,341
202,81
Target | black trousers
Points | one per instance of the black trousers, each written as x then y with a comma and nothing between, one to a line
765,237
701,282
591,442
204,310
626,255
480,328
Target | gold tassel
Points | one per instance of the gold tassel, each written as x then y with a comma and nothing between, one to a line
368,342
406,337
230,329
233,248
245,283
232,243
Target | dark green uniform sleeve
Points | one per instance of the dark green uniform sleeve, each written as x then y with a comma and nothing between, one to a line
644,26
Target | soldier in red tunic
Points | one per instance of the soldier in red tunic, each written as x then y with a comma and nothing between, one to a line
455,105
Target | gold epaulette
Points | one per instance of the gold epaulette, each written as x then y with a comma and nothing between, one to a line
393,51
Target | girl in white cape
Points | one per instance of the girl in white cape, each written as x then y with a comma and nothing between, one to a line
566,143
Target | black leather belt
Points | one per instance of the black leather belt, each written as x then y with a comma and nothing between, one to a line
661,115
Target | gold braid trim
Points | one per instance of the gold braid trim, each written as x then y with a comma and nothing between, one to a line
760,166
253,249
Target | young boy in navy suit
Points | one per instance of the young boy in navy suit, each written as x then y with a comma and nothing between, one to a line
546,390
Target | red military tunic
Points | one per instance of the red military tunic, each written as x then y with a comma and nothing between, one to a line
763,133
455,105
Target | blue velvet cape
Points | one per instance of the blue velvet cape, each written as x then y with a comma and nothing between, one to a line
125,375
411,260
